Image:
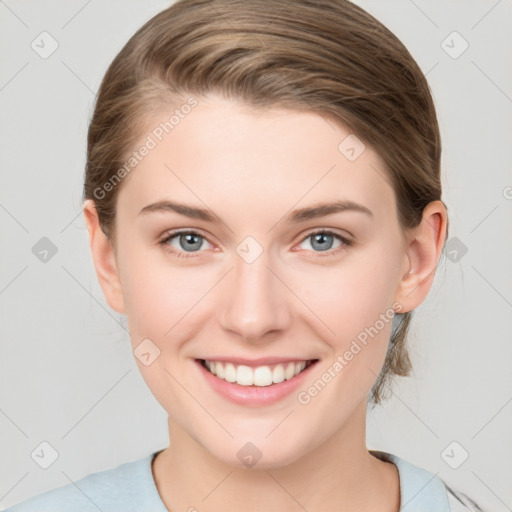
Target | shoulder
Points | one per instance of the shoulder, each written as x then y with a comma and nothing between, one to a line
421,490
128,487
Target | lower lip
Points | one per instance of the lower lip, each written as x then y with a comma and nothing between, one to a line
254,396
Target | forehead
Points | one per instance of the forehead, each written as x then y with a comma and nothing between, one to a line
233,157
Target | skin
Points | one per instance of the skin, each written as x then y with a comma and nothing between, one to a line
251,168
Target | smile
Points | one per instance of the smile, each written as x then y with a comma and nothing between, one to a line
252,383
258,376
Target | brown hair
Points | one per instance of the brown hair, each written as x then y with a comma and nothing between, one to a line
326,56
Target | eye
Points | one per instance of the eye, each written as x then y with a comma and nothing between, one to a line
322,241
183,242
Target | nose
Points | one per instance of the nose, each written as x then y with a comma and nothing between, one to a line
254,303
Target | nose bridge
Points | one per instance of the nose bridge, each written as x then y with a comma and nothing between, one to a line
254,302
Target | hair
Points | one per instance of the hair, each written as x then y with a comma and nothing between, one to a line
329,57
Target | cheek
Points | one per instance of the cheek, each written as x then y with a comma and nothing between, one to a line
162,298
354,304
163,304
349,297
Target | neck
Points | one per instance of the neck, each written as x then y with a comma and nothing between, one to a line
338,475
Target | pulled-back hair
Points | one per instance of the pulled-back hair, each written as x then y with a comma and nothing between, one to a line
328,57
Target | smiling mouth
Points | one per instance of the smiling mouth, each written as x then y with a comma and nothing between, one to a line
258,376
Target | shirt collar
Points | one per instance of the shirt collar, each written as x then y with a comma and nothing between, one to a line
420,490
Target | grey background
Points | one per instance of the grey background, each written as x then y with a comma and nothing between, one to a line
68,376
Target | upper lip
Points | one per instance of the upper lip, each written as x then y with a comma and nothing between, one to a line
262,361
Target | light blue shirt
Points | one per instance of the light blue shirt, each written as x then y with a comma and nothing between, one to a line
130,487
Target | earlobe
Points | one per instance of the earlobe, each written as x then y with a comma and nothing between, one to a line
104,259
423,250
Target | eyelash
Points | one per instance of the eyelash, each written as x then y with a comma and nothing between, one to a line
330,252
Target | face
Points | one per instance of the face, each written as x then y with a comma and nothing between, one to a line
261,278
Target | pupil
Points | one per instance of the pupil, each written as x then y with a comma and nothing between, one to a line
318,239
190,238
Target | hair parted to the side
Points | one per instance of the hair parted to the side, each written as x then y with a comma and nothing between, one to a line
324,56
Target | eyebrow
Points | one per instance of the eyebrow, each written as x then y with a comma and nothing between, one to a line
300,215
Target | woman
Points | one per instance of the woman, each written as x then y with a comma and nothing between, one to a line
263,201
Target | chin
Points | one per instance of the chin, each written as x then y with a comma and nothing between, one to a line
259,453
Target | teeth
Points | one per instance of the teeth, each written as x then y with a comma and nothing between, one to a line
219,370
211,366
278,374
230,373
244,376
259,376
263,376
290,371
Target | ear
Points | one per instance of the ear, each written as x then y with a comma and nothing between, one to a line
423,249
103,256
